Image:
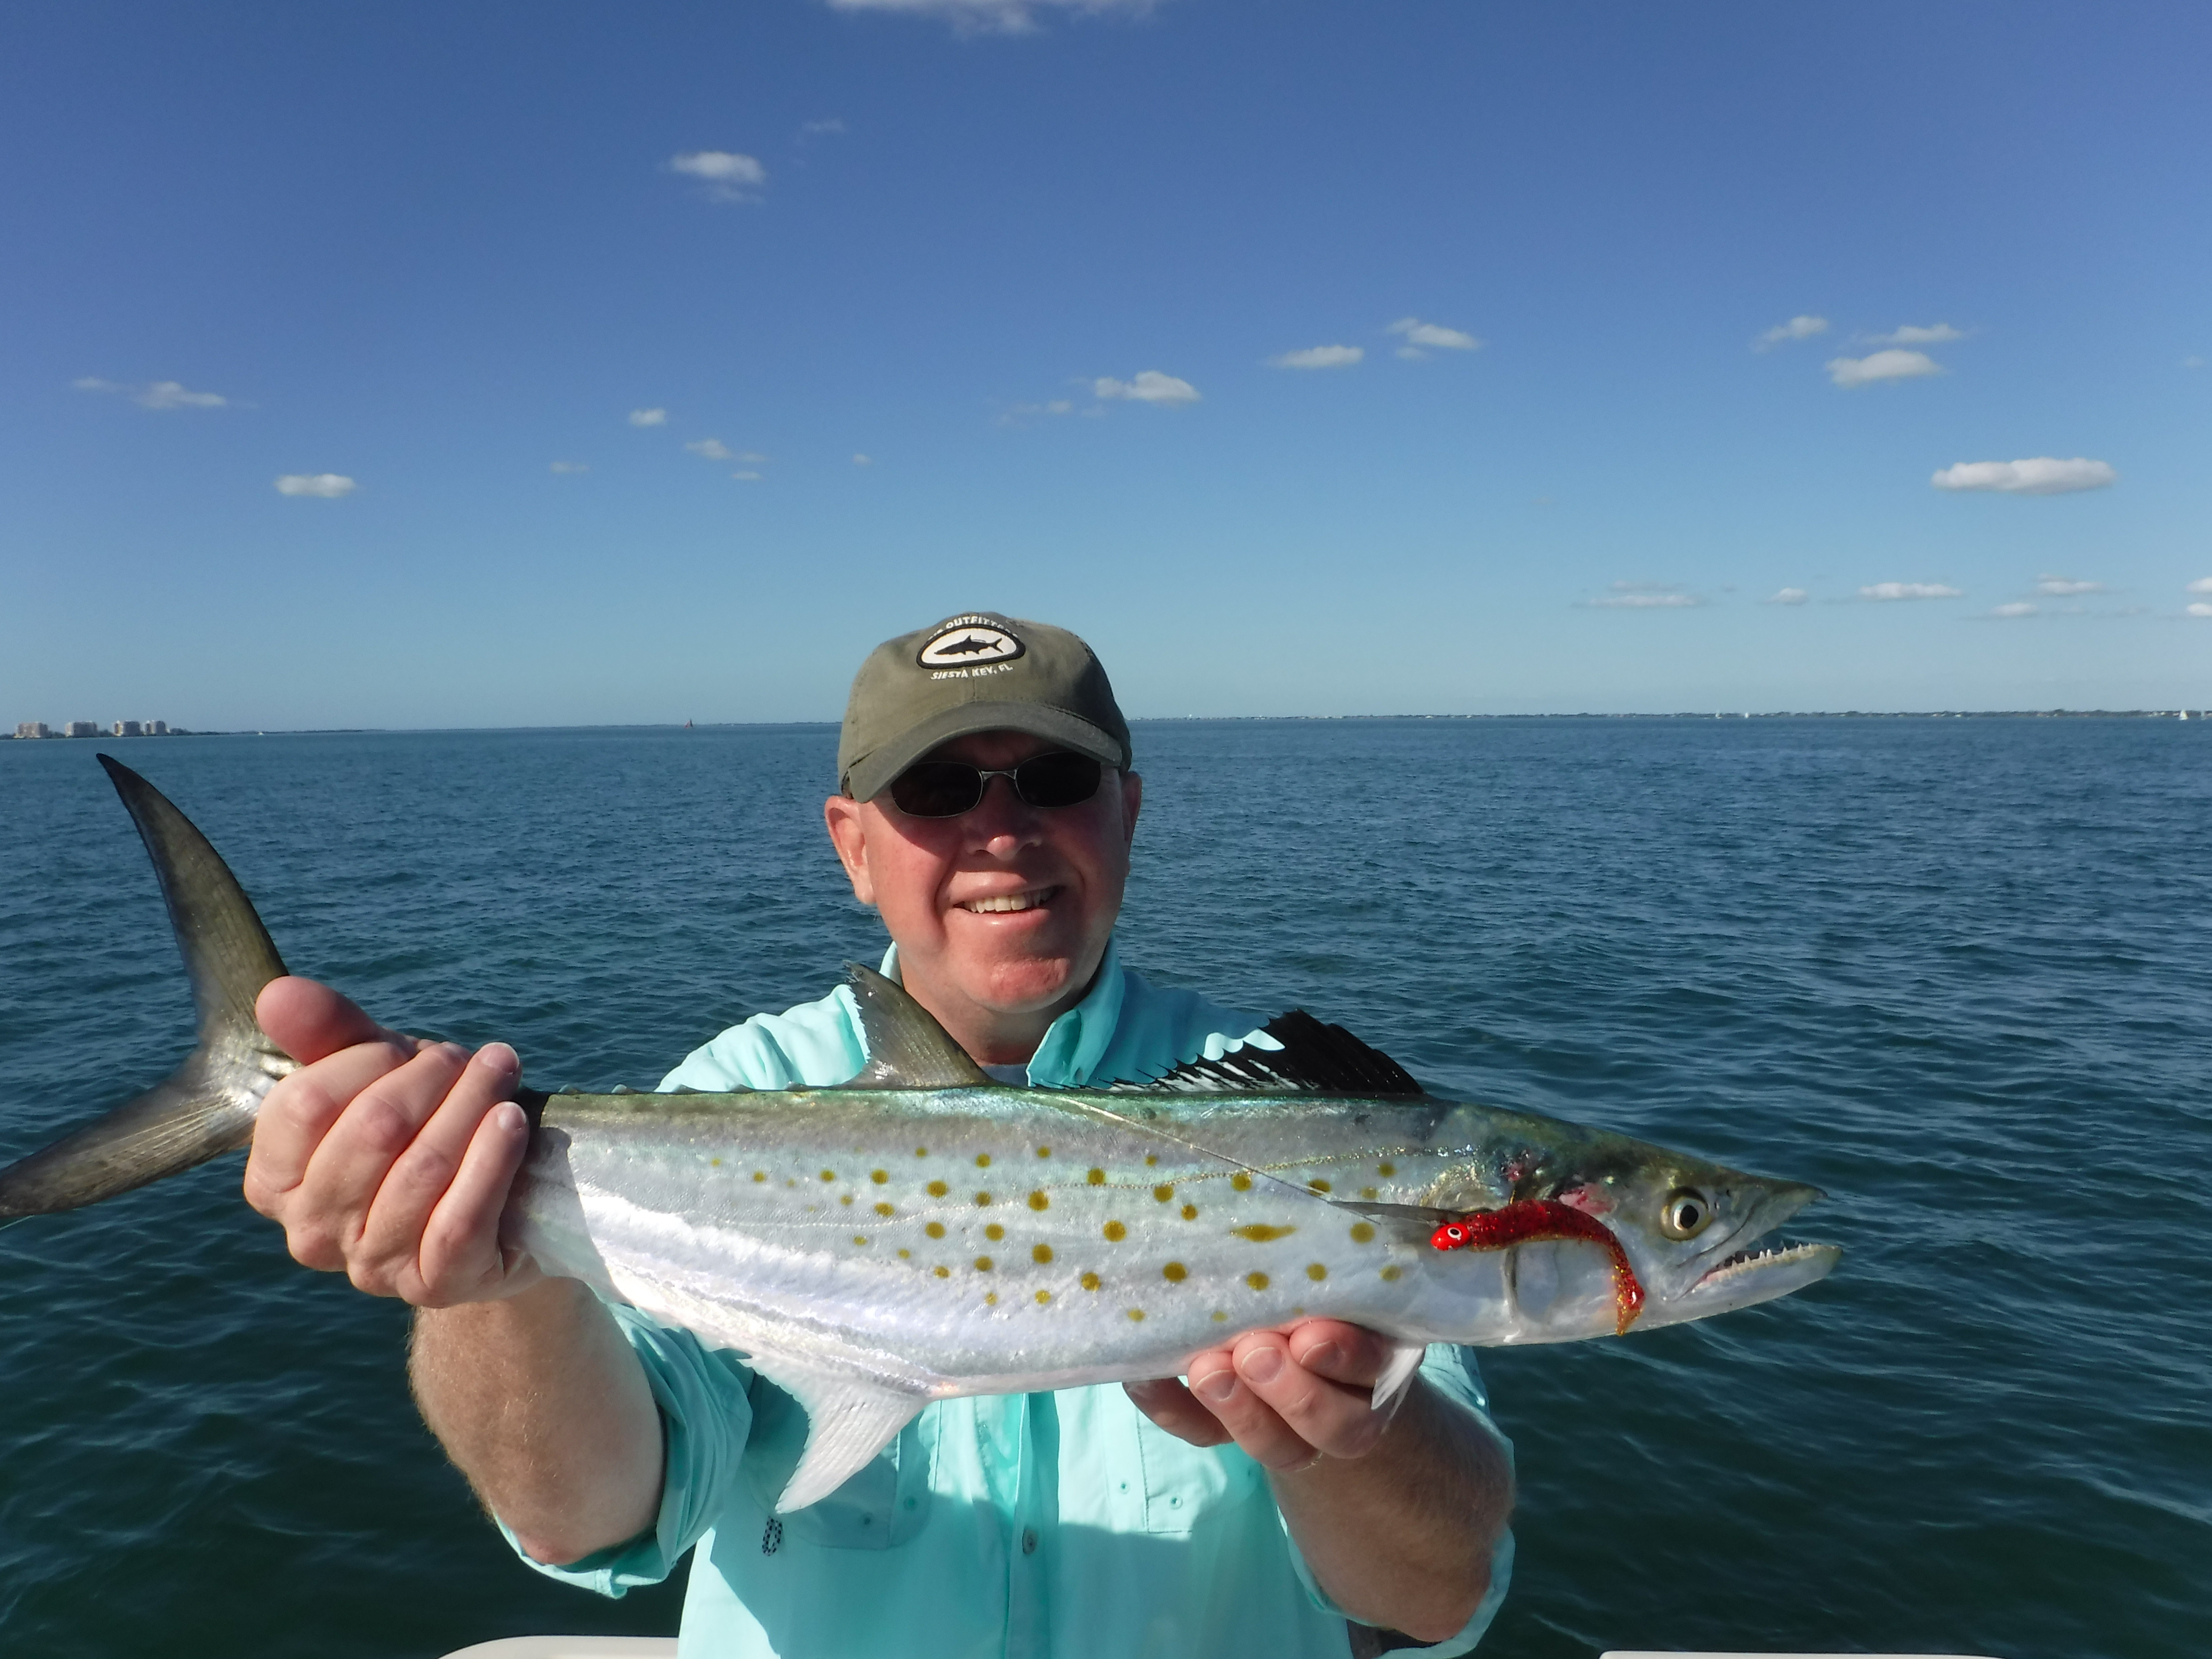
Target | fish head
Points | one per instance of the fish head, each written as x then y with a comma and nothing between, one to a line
1606,1234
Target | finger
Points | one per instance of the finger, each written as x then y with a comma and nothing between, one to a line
1251,1422
461,1252
309,1021
1333,1419
329,1208
1168,1404
300,1111
1350,1354
420,1174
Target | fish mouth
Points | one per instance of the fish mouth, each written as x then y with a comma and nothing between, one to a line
1002,905
1762,1259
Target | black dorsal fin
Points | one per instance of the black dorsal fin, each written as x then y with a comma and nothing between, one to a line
1315,1058
906,1047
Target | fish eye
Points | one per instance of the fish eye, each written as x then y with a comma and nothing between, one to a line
1686,1213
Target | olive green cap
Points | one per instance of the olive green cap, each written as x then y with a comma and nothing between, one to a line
977,672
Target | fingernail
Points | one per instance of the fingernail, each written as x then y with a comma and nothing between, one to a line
498,1057
1322,1355
1262,1364
1215,1386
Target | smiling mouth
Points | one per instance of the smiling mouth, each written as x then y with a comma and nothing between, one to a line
1000,904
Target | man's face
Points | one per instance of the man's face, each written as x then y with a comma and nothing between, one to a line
1001,915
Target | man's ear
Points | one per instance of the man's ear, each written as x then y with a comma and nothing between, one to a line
849,833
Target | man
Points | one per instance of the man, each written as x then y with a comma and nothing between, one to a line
986,807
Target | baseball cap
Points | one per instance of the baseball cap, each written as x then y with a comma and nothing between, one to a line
977,672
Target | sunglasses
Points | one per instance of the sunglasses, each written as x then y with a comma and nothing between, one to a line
945,789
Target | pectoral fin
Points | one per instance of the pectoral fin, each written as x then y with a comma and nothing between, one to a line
848,1422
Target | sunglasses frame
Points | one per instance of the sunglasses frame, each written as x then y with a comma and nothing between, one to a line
1011,773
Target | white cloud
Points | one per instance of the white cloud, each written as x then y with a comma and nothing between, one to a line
1645,595
2192,361
2043,476
864,460
2017,608
1892,365
1911,591
748,477
2200,609
728,176
1419,335
327,486
713,448
2064,587
1934,334
1788,596
1797,328
648,417
1332,357
1150,386
159,394
751,458
818,129
571,467
992,17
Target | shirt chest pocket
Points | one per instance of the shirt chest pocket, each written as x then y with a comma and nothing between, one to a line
1183,1484
881,1507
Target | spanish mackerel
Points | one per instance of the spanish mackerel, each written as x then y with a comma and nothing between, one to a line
923,1232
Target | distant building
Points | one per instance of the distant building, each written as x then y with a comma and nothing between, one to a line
157,728
33,729
83,729
128,729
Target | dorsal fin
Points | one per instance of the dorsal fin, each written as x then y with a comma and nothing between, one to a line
1315,1058
906,1047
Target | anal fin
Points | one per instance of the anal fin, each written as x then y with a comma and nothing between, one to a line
1405,1359
848,1421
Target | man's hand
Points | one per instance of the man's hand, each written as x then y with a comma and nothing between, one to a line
385,1157
1290,1397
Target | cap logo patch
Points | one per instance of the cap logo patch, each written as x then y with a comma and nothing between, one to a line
967,642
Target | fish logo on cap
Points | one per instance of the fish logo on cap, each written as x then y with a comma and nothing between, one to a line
965,642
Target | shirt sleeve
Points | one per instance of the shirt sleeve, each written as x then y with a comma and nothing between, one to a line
1453,1373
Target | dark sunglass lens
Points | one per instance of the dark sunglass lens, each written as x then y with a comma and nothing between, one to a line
937,789
1060,779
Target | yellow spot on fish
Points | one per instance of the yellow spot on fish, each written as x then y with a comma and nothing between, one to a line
846,1198
982,1201
1319,1186
1096,1177
1241,1182
982,1160
991,1299
1151,1157
1257,1281
937,1190
1175,1272
1116,1232
1367,1192
792,1181
828,1174
942,1273
1039,1201
1390,1273
760,1174
1164,1194
921,1152
983,1264
1386,1171
1361,1232
1260,1233
879,1177
1044,1152
994,1232
859,1238
906,1255
1137,1316
1316,1272
1041,1253
1089,1281
1043,1297
935,1230
885,1209
1219,1317
714,1163
1190,1212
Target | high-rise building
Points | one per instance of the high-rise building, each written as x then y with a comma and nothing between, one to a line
33,729
127,729
83,729
157,728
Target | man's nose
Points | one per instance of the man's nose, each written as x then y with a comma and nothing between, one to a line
1002,816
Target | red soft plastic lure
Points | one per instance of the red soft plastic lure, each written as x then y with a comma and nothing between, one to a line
1533,1218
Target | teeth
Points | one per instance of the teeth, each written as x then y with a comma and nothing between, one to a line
1003,903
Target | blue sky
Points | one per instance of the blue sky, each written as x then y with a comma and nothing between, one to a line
1047,267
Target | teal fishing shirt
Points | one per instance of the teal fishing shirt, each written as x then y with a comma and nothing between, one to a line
1043,1526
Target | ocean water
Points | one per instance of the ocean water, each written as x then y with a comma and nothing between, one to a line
1958,973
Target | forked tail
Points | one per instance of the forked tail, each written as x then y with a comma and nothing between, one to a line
206,1106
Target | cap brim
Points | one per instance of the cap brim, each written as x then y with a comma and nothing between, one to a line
871,774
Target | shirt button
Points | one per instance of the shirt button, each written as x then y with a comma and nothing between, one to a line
1028,1540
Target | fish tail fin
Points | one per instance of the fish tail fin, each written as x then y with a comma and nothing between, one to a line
208,1105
